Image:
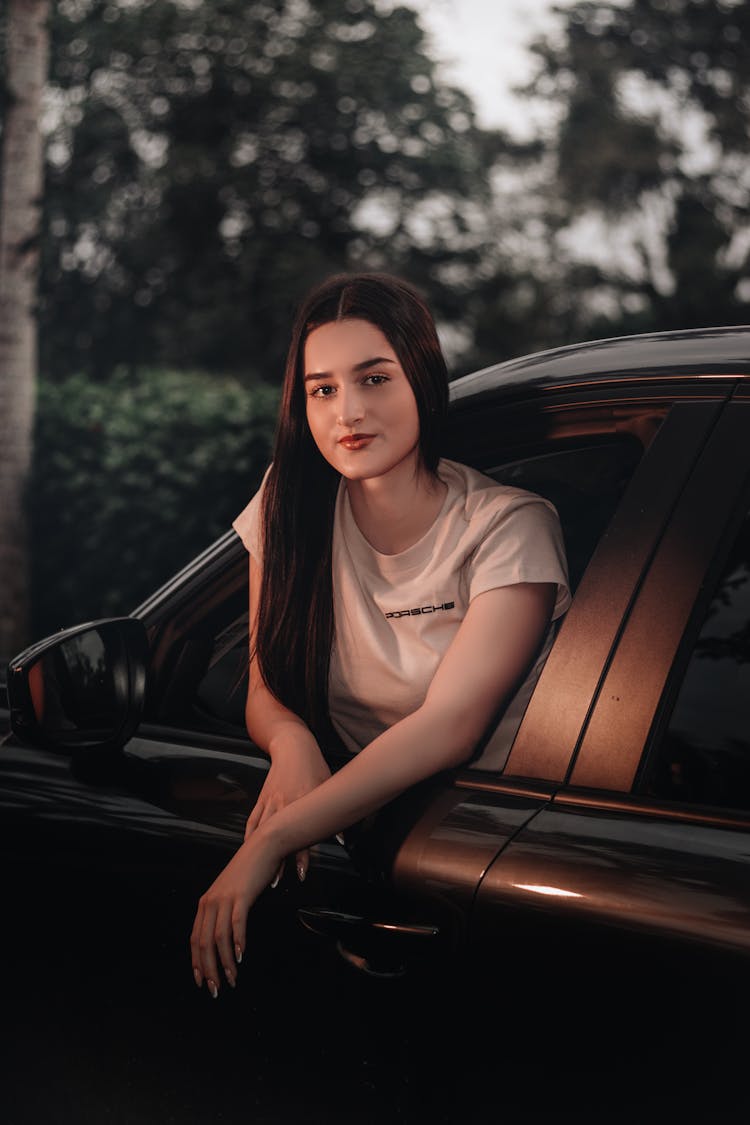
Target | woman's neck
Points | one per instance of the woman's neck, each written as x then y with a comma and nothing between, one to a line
394,511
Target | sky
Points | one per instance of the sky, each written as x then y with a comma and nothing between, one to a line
481,46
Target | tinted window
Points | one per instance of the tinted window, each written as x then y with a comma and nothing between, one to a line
704,757
221,693
585,486
203,682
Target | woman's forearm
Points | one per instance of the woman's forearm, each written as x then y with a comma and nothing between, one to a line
414,748
476,676
272,726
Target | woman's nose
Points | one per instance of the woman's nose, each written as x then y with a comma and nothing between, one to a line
351,407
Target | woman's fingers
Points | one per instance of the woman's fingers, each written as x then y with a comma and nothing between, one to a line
217,928
260,813
303,863
254,818
195,952
203,945
239,931
221,917
224,938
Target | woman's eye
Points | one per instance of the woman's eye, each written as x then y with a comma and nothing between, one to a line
375,380
322,391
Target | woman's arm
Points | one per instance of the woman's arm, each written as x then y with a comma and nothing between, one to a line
297,764
269,723
493,648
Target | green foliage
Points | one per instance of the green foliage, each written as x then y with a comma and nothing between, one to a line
652,99
631,77
132,478
208,161
211,161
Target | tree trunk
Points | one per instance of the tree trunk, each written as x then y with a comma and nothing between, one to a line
21,175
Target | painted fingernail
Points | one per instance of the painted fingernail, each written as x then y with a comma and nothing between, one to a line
301,872
238,954
198,977
275,880
340,838
212,988
230,977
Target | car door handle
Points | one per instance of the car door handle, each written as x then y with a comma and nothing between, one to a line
377,947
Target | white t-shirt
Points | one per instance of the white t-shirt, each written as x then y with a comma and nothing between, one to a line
395,615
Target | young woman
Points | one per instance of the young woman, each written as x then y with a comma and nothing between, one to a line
399,603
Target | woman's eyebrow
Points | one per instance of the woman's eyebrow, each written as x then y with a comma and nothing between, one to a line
357,367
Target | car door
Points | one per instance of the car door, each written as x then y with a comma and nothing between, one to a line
647,834
452,848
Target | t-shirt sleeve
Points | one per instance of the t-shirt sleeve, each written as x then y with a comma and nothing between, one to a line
523,543
248,525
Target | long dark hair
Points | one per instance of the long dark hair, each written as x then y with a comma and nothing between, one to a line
295,623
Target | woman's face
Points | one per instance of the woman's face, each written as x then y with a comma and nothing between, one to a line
361,409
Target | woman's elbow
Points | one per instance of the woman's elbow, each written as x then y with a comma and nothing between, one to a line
461,754
253,705
459,734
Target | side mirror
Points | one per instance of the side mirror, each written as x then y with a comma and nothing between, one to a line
83,688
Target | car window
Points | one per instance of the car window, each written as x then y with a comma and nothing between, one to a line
220,695
203,686
703,756
585,485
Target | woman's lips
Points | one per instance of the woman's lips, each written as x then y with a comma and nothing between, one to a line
356,441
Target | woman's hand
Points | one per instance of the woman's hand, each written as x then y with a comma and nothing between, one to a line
297,767
221,919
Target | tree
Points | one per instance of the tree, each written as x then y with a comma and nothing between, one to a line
210,161
25,66
648,158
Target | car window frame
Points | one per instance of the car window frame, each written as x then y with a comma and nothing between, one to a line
624,719
550,732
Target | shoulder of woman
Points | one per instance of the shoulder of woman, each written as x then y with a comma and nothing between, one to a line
247,523
489,501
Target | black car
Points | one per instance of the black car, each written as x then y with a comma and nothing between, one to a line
620,825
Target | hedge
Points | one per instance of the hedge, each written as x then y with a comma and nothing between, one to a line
131,479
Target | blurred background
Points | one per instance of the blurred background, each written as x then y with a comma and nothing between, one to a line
544,173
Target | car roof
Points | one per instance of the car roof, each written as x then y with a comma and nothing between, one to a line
697,353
